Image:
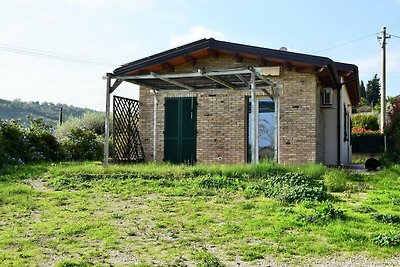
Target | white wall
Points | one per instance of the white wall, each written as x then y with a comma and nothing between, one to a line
331,131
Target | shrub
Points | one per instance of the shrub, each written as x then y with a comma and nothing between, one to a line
20,145
13,143
366,121
82,144
93,121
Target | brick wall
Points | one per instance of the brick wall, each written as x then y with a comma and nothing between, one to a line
222,118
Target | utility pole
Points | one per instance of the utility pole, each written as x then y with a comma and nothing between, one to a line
383,81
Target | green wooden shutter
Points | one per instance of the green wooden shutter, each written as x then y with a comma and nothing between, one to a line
180,130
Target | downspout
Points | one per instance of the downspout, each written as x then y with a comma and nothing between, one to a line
155,105
333,72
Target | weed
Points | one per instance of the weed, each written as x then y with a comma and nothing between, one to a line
335,180
364,209
391,239
74,263
386,218
207,259
323,214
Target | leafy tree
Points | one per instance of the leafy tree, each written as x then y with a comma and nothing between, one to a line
366,121
392,130
363,93
373,90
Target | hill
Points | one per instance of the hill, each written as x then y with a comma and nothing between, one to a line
19,110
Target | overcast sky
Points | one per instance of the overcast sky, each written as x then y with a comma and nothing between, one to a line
58,50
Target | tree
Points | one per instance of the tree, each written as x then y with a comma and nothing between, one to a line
373,90
363,93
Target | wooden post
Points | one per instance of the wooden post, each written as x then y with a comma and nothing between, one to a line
60,118
253,119
107,121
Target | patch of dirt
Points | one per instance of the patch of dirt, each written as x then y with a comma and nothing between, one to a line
39,185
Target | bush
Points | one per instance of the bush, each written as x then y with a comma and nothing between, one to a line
366,121
93,121
21,145
82,144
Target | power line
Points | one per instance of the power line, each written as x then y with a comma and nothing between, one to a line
54,56
346,43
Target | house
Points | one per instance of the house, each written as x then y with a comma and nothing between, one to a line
216,102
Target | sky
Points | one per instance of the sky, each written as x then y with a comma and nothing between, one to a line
59,50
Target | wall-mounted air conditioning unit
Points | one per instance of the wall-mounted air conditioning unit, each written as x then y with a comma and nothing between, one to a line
327,97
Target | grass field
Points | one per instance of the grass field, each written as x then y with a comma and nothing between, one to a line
82,214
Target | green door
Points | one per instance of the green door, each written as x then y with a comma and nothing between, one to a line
180,130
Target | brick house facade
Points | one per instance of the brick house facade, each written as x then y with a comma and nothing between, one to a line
222,113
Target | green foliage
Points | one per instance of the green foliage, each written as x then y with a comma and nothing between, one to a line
93,121
82,144
366,121
363,92
373,90
48,112
74,263
21,145
386,218
391,239
288,188
323,214
392,130
335,180
207,259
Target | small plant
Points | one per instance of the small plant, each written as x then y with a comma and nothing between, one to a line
207,259
335,180
74,263
364,209
291,187
323,214
386,218
388,239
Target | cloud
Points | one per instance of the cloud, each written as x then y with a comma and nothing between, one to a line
195,33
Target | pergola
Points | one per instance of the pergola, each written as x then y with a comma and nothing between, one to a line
161,72
249,78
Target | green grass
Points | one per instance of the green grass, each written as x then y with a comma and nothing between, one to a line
82,214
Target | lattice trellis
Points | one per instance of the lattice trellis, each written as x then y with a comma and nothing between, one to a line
127,144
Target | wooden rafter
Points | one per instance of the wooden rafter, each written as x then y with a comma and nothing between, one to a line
262,60
190,60
167,66
213,53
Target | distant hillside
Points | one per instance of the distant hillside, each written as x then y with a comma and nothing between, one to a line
17,109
